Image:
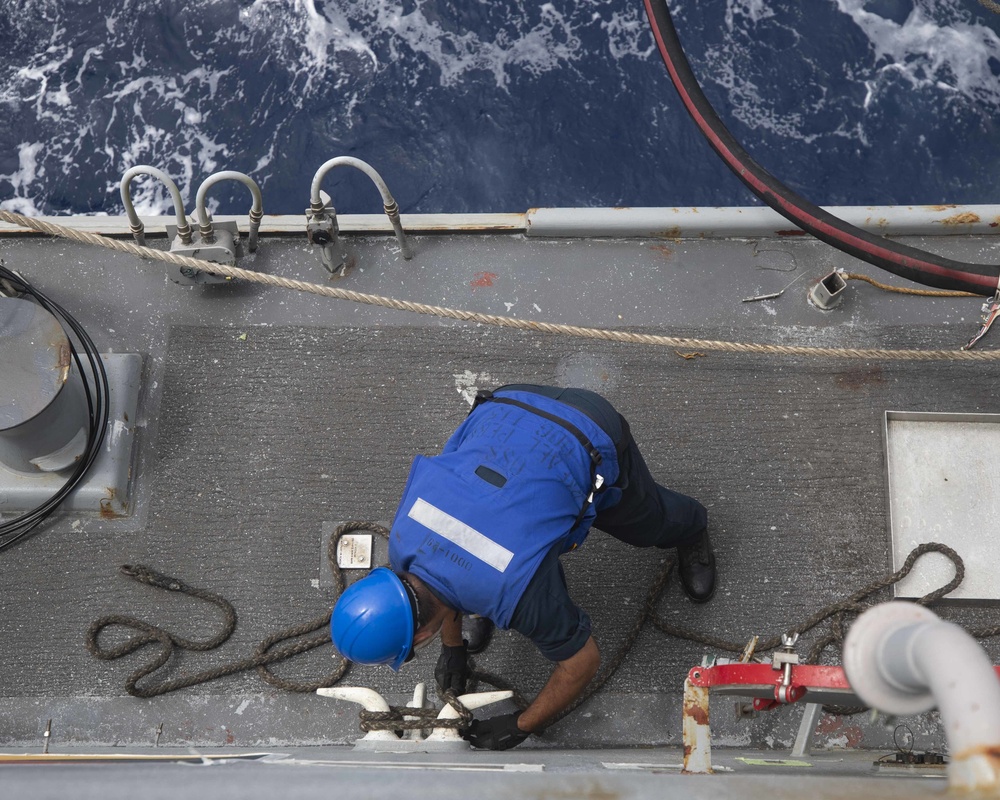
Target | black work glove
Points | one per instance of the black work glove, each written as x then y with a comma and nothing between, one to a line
452,670
495,733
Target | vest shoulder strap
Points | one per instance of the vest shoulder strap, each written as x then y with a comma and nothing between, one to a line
486,396
483,396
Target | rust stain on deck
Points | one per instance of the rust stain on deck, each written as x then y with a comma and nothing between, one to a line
107,509
483,279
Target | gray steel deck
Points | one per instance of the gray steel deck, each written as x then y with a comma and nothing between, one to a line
266,414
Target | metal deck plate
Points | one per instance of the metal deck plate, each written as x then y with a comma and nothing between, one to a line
105,490
944,486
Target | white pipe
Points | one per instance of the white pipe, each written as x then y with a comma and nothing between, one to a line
705,222
256,209
135,223
388,203
902,659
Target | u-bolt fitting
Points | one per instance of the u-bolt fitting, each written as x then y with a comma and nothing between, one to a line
316,206
205,219
135,224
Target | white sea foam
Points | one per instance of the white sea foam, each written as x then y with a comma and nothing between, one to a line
49,88
951,57
545,46
753,10
192,120
23,177
939,48
330,55
306,40
414,32
629,35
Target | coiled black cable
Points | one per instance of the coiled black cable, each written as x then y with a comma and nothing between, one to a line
95,386
907,262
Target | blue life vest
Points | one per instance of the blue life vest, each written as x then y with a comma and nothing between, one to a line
522,474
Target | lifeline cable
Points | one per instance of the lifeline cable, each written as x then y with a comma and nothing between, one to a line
95,386
630,337
907,262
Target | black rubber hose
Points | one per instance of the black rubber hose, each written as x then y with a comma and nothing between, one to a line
907,262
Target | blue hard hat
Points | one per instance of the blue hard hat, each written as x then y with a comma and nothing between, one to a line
373,621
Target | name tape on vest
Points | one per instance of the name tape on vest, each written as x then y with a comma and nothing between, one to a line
457,532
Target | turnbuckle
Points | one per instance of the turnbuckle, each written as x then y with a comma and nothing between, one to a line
783,659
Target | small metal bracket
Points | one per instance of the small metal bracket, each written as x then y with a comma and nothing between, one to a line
783,659
807,727
323,231
320,207
224,248
828,291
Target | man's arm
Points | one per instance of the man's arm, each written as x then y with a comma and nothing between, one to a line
567,682
451,630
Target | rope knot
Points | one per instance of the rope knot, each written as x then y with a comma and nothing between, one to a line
406,718
465,716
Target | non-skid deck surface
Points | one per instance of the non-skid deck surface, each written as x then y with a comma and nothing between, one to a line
266,434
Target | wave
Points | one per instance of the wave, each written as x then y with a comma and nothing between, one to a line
102,97
782,72
510,103
938,46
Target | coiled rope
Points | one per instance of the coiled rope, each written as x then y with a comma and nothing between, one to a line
493,319
267,653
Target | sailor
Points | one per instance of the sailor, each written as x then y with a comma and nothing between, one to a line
480,530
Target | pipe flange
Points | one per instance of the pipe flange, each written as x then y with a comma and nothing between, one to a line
862,658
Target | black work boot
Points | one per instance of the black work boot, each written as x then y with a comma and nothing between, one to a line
477,631
696,564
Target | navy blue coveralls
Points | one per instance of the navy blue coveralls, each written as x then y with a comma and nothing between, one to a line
635,510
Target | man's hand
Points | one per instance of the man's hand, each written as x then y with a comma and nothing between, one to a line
496,733
452,670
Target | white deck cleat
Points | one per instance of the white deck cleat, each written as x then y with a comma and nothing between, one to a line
419,701
440,739
470,701
371,700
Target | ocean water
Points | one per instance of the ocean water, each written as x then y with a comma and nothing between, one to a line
493,105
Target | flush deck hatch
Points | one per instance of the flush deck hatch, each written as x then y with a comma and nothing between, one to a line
944,486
